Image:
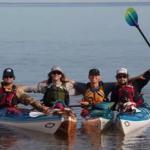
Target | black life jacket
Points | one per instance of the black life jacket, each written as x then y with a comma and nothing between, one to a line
54,93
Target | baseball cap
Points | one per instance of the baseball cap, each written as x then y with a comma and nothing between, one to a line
122,71
94,71
8,72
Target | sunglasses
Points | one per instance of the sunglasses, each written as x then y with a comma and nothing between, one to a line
56,72
8,76
122,76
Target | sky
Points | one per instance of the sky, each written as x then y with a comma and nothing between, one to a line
42,1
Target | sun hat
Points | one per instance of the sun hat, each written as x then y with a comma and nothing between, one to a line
56,68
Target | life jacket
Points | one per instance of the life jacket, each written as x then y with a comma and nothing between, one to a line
54,93
94,96
7,98
128,93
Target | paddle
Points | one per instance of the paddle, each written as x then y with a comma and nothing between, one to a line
37,113
132,19
75,106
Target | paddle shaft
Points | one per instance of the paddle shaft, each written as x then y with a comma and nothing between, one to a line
137,26
75,106
143,35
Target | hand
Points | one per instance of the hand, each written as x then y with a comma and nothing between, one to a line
85,103
46,110
146,75
129,104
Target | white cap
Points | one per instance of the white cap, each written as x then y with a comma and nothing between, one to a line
122,71
56,68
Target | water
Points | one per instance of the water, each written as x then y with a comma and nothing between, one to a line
33,38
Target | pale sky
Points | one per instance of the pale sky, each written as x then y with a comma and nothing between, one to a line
42,1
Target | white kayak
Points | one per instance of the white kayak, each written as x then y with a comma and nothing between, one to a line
99,118
126,122
64,122
131,122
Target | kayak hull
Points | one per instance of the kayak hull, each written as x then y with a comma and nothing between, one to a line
49,124
100,116
128,127
126,122
130,122
97,124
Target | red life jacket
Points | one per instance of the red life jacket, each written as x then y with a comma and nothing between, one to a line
126,93
129,93
7,97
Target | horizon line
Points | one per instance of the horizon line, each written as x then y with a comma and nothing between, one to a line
129,2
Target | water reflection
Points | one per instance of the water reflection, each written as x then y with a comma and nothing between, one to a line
7,138
114,139
137,141
24,139
89,139
92,132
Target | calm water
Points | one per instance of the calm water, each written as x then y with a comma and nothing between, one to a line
33,38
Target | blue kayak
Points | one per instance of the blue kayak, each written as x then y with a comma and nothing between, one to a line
130,122
127,122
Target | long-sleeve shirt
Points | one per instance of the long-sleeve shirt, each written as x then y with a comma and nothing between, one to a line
42,87
23,98
82,87
138,83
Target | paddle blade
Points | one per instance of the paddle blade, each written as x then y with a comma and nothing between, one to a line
36,114
131,17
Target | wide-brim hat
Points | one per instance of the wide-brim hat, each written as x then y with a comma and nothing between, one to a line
56,68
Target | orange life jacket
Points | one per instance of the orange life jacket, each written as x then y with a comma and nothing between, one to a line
94,96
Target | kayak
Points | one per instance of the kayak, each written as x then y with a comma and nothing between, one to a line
57,123
126,122
130,122
99,118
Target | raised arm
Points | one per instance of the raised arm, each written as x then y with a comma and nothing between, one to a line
141,80
75,88
38,88
143,76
